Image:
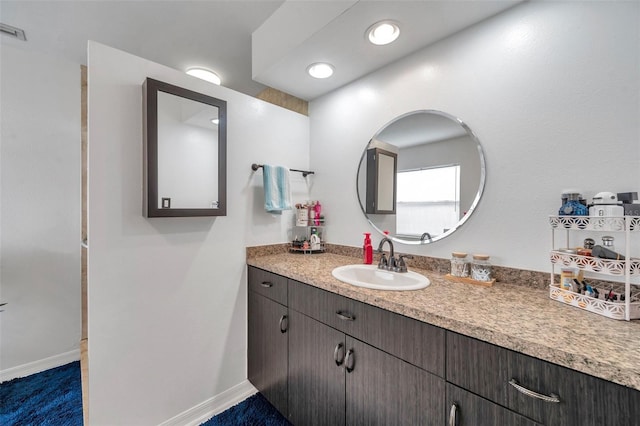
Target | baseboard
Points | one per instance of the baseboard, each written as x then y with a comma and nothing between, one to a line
39,366
216,405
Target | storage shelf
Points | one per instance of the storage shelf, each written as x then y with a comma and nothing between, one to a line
630,268
595,264
596,223
615,310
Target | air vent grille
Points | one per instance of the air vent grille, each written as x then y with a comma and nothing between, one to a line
12,31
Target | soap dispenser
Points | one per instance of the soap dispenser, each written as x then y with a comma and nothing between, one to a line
367,250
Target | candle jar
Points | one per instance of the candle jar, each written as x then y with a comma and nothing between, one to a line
459,264
481,268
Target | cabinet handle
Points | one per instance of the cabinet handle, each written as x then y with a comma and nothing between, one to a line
349,361
266,284
338,354
453,415
345,316
548,398
284,324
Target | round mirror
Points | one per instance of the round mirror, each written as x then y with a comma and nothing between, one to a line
421,176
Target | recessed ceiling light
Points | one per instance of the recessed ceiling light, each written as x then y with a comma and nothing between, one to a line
320,70
204,74
215,121
383,32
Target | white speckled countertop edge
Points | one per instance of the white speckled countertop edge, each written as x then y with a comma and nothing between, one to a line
523,319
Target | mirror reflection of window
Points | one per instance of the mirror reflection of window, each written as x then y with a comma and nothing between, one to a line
428,208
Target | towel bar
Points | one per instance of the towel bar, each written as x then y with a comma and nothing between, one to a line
305,173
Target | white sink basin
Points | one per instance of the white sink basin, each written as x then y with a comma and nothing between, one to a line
370,276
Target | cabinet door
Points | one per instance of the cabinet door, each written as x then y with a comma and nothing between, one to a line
384,390
467,409
267,349
316,379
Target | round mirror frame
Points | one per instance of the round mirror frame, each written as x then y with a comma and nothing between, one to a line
474,204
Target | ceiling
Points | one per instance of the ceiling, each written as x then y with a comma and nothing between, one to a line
217,34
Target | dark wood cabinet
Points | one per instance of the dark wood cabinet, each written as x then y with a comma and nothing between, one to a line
316,380
384,390
268,284
324,359
337,379
418,343
549,394
268,349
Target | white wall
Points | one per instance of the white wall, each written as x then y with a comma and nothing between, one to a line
551,89
40,212
167,296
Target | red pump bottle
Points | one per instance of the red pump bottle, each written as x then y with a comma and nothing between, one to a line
367,250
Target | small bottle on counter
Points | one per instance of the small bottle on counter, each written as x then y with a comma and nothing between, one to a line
367,249
459,264
481,268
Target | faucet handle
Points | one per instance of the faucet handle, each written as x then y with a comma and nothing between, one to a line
383,263
402,266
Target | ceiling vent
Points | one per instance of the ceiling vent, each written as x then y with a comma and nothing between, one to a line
12,31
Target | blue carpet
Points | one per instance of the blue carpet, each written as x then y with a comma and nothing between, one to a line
253,411
50,398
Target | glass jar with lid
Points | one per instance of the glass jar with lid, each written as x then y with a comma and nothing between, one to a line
459,264
481,268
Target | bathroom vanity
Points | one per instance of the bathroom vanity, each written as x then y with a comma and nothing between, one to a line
327,353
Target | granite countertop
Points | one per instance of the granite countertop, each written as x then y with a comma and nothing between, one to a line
523,319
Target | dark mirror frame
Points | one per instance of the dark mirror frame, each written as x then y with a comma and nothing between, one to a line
150,89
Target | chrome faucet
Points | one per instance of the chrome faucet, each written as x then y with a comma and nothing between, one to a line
388,264
425,235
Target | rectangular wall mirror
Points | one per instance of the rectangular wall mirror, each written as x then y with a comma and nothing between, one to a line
185,152
381,181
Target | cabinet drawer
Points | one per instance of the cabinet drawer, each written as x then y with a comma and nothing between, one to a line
487,370
413,341
471,410
268,284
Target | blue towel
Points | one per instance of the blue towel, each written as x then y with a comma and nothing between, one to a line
277,192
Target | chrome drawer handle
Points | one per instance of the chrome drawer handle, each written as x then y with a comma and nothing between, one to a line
345,316
453,414
338,354
349,361
266,284
547,398
284,324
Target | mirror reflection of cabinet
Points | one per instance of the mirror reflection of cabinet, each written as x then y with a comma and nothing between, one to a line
184,152
381,181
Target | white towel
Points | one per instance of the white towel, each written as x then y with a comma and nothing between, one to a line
277,191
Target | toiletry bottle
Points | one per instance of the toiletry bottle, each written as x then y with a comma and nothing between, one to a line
318,210
367,250
312,213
